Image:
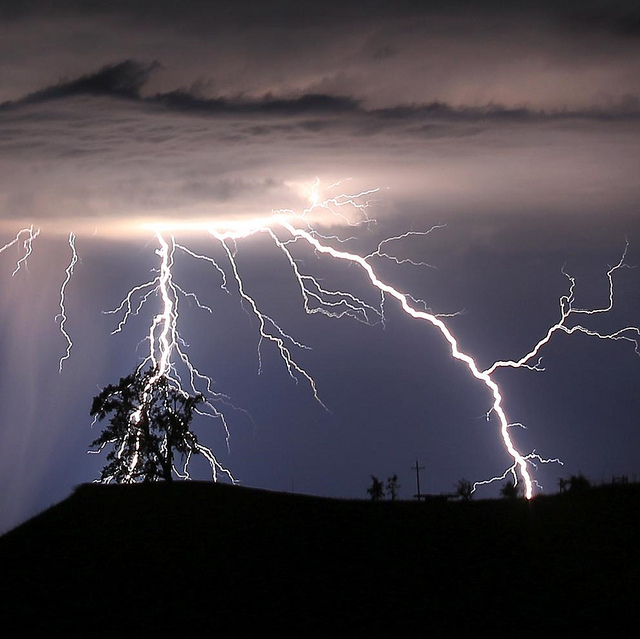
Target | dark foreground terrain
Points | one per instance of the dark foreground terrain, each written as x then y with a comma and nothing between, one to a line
194,559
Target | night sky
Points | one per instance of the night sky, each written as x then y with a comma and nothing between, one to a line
517,129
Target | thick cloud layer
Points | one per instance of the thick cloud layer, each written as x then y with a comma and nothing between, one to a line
108,151
541,54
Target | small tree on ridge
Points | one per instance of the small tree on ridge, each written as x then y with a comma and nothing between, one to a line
393,487
376,491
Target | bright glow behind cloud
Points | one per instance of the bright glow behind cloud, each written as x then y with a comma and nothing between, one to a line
83,155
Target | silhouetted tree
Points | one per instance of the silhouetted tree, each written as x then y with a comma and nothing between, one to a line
376,491
464,489
149,422
578,483
510,490
393,487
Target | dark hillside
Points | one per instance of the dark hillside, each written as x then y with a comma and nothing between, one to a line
197,559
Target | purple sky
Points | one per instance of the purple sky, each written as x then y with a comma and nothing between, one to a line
518,129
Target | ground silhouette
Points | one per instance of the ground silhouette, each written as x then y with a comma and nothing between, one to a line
197,559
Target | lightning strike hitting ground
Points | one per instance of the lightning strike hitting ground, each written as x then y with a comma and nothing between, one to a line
287,229
165,343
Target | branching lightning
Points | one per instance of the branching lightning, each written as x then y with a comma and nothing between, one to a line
519,460
27,246
286,230
567,311
165,345
63,314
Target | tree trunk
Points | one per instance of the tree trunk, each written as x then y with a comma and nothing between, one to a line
167,464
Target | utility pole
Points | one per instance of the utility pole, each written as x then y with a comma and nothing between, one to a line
417,469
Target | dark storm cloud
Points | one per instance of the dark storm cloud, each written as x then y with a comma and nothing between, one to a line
182,100
111,147
628,107
123,80
126,80
536,55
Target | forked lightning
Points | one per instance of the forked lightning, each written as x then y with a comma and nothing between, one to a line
167,351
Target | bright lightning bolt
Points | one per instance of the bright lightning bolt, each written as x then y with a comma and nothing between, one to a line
28,249
519,460
358,309
27,245
165,343
286,229
63,315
